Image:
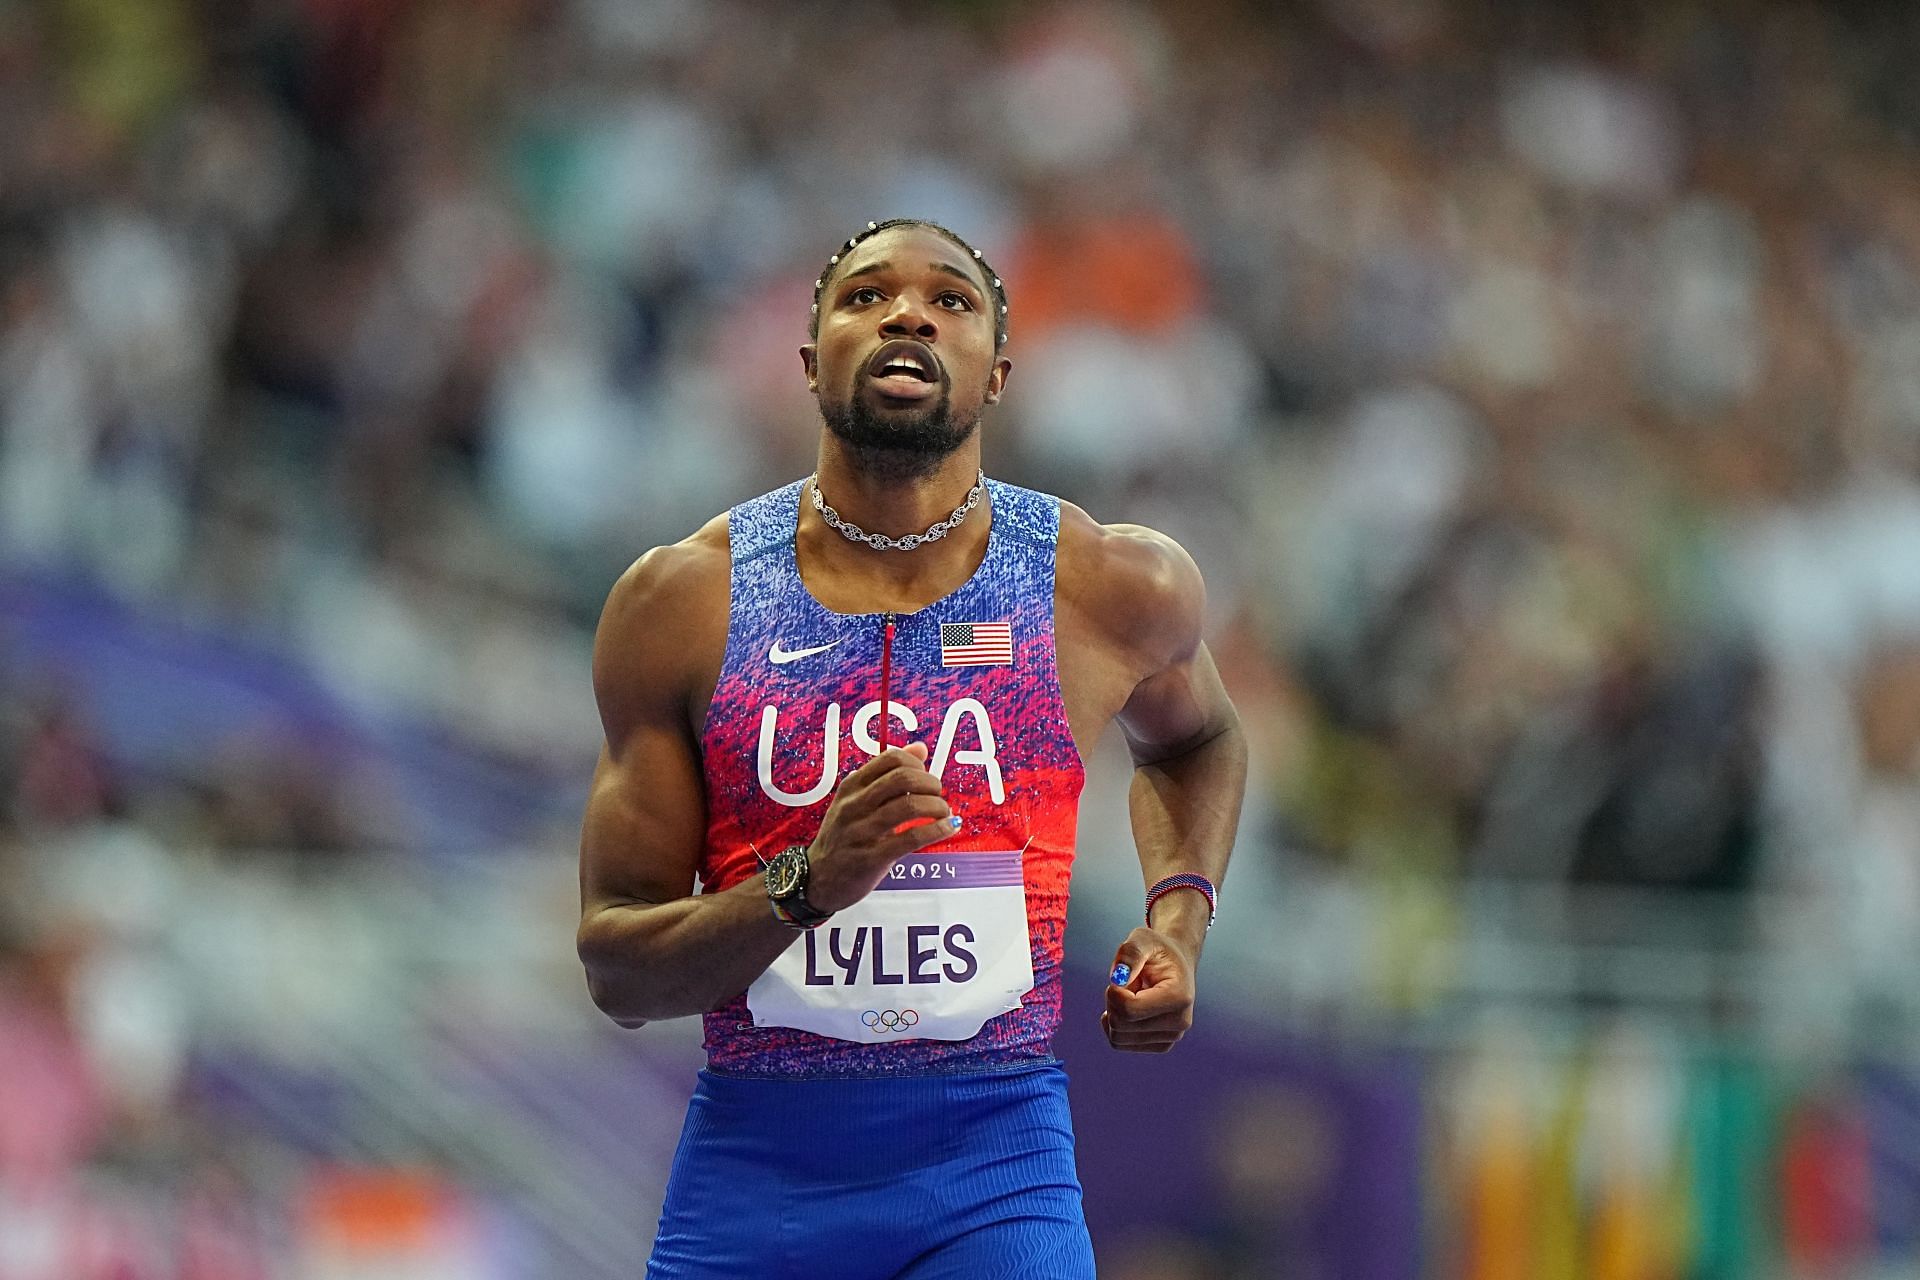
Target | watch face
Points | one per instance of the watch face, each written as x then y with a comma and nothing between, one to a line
785,874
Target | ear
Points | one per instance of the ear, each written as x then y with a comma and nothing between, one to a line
810,361
997,378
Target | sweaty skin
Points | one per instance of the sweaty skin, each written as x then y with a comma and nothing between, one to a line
1127,624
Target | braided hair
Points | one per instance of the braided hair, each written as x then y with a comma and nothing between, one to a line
991,276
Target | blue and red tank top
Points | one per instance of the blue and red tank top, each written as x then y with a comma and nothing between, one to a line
797,706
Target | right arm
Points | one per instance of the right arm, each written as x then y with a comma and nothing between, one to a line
651,949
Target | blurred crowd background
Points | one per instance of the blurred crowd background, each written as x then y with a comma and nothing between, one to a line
1538,386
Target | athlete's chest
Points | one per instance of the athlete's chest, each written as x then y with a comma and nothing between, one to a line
801,703
952,666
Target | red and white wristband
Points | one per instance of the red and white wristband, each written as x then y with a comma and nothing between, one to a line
1184,880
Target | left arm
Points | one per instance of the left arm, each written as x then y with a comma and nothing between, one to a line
1190,772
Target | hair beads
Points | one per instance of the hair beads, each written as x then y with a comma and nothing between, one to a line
874,228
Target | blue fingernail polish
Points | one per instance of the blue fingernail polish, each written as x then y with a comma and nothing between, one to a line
1122,972
954,822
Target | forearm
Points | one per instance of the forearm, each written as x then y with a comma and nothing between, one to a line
683,957
1185,811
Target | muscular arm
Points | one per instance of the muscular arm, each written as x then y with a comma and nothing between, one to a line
1145,600
1189,753
651,949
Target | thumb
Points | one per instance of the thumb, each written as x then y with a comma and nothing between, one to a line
918,750
1128,962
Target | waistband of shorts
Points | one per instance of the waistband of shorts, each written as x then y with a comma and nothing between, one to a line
933,1079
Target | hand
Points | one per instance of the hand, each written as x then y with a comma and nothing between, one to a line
888,807
1154,1008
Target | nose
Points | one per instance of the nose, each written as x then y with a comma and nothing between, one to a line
909,317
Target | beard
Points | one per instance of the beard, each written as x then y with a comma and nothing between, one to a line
900,445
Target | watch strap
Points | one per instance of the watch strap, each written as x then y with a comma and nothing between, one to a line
797,913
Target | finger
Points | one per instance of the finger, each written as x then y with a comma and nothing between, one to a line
1136,1007
1158,1047
912,755
914,838
1179,1020
1130,967
898,782
905,811
1133,954
1133,1037
1133,1041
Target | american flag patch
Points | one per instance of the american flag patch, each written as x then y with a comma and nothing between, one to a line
976,644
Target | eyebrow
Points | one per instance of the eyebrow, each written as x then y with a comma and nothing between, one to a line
946,268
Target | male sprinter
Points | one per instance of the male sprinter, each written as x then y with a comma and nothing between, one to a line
853,709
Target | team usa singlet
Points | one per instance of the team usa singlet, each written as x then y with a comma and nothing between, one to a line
882,1103
953,963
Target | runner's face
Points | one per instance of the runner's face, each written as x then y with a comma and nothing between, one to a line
906,337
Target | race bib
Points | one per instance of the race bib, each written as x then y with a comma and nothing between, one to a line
932,953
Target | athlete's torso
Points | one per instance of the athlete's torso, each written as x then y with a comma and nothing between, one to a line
796,707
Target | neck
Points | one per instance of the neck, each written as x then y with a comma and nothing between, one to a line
897,508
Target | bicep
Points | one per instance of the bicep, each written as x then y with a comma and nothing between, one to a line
1175,708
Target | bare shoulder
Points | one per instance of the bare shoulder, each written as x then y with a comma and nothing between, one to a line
664,626
1134,586
680,575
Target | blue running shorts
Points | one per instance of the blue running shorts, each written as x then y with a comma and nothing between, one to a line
935,1177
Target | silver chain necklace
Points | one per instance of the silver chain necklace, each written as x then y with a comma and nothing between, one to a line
880,541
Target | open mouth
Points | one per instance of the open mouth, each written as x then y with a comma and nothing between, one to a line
904,369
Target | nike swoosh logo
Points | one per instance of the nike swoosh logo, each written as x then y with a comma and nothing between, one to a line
780,657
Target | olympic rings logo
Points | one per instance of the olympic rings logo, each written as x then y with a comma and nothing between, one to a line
889,1019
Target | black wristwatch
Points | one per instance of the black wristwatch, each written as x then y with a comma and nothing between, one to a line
787,889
